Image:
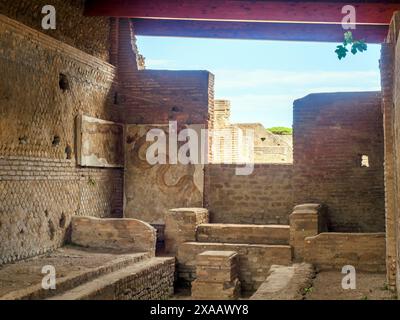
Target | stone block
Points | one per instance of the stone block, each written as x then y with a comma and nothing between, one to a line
180,226
217,266
204,290
305,221
115,234
217,276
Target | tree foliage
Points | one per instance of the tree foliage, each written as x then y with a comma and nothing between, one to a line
280,130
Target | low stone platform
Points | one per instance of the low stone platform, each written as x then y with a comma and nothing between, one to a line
243,233
286,283
151,279
75,266
254,260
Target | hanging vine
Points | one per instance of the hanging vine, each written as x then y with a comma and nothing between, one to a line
356,46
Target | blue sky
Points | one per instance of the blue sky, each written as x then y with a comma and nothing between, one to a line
263,78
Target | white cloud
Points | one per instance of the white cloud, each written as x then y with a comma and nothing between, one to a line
239,79
256,102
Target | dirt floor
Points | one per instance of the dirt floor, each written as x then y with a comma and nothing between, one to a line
369,286
327,286
185,294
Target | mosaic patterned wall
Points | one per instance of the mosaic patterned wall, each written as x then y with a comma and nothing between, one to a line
44,86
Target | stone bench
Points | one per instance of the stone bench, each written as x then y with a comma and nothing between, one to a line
121,234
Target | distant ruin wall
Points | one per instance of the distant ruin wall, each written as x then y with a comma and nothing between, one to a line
230,142
264,197
332,132
44,85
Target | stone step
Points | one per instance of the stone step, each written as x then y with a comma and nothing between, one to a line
243,233
146,280
286,282
254,260
73,266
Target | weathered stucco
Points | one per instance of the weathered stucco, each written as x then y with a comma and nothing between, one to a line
99,142
151,190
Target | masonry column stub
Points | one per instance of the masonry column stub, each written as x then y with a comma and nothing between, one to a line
181,225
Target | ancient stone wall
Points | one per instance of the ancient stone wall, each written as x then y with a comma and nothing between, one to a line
264,197
390,69
89,34
332,250
153,281
152,98
44,85
338,158
387,73
222,113
159,96
39,196
151,189
230,143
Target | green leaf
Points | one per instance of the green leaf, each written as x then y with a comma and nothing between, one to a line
362,46
356,46
341,52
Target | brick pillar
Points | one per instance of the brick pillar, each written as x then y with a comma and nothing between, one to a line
387,81
181,225
306,220
128,60
216,276
114,41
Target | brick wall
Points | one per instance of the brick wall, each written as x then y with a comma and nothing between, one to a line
332,250
263,197
39,196
33,106
390,69
331,132
40,189
387,73
159,96
396,137
89,34
150,99
153,281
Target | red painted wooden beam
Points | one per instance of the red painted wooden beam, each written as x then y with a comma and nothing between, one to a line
259,31
317,11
